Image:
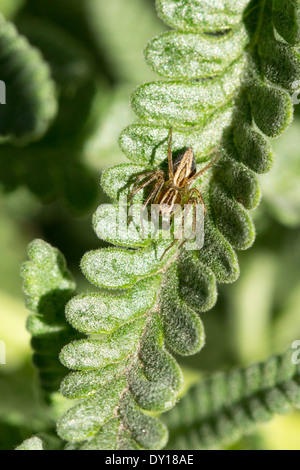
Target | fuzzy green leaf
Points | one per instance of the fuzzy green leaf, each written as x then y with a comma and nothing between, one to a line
280,63
149,432
117,180
95,353
156,381
242,183
48,286
197,15
178,55
149,144
47,266
183,328
30,92
106,312
218,255
221,409
287,19
86,418
254,150
111,224
34,443
272,108
232,220
118,268
186,103
197,283
85,383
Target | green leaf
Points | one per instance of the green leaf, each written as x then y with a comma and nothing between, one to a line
86,418
242,183
148,144
118,268
232,220
48,286
105,439
221,409
287,19
186,103
111,224
157,379
183,328
85,383
197,283
45,277
134,357
280,63
116,180
34,443
30,92
95,353
106,312
196,15
272,108
149,432
191,56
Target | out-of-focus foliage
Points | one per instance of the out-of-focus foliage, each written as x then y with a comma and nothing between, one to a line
228,405
48,285
89,92
42,181
29,103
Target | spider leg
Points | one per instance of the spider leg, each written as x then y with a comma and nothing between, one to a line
198,197
203,170
157,187
150,176
176,238
194,201
173,186
167,249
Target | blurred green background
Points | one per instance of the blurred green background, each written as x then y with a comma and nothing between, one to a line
50,190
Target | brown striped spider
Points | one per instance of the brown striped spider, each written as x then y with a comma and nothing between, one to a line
173,189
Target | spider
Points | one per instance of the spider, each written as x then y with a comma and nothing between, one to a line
174,188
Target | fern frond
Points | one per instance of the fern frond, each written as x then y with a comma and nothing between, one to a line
30,92
224,89
48,286
52,168
221,409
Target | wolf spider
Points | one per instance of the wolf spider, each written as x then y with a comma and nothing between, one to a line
173,188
